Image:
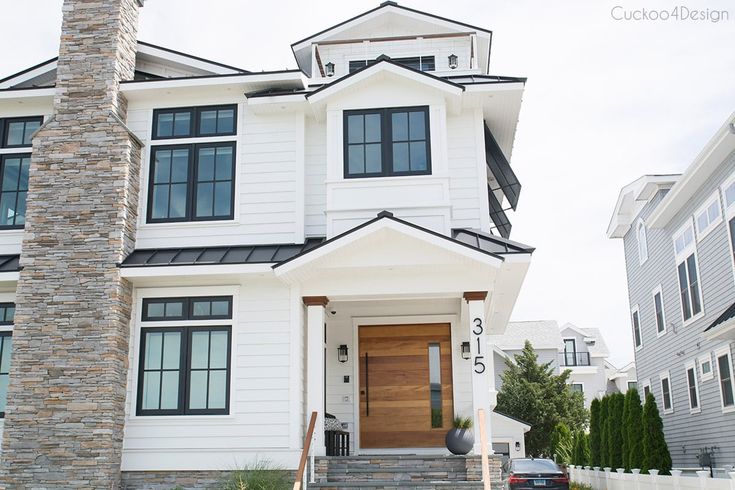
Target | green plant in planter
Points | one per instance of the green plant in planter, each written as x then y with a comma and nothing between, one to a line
462,422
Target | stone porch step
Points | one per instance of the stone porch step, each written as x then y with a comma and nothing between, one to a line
383,485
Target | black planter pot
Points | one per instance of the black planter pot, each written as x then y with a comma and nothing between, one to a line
460,441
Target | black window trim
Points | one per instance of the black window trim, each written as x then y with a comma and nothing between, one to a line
194,120
352,64
386,140
184,368
5,305
6,333
4,122
188,308
3,157
191,182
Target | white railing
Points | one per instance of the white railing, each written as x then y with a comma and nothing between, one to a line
607,479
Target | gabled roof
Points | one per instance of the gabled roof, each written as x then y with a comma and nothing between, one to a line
596,349
384,63
44,74
632,198
302,48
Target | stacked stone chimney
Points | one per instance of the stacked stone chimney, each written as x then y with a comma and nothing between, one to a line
66,400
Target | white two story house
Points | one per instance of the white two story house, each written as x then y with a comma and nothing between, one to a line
330,239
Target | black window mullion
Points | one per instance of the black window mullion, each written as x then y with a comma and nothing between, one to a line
209,367
184,362
386,126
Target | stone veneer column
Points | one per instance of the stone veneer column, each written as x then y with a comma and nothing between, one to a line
66,400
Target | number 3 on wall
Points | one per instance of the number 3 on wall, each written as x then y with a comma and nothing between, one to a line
478,326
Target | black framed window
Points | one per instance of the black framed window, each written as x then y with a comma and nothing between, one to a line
387,142
192,183
6,347
7,313
17,132
724,368
637,329
13,189
191,122
184,371
187,308
666,393
419,63
659,312
692,388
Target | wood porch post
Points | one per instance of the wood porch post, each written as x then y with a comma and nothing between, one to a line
482,368
315,331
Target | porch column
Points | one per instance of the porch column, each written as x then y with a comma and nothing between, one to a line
482,365
315,327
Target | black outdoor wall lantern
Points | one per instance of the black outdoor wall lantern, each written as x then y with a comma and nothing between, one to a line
342,353
330,69
453,61
465,350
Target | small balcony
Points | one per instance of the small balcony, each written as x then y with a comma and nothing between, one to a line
573,359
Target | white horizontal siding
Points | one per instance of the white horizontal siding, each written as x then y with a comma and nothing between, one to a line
464,174
315,177
269,148
260,417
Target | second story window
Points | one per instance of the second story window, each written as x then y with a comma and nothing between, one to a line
7,313
708,216
418,63
387,142
17,132
687,272
13,189
195,181
658,309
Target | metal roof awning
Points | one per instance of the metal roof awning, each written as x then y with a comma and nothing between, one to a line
240,254
498,216
490,243
723,328
500,168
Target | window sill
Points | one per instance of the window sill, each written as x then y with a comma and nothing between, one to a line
694,411
661,333
693,319
155,419
382,179
669,411
701,235
190,224
730,409
706,377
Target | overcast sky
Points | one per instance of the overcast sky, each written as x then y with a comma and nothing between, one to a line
606,102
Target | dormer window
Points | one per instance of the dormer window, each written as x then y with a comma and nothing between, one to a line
387,142
418,63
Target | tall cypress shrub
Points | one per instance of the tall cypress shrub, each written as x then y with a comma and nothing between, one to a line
604,433
615,441
634,427
581,453
595,433
625,447
655,451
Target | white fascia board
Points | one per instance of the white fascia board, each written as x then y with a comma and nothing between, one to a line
22,77
27,93
511,421
213,81
708,160
374,227
384,67
182,59
280,99
726,331
194,270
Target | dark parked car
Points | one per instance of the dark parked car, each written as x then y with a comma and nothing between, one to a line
525,474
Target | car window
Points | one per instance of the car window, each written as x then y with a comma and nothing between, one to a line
535,466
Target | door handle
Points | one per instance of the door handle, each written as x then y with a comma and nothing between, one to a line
367,387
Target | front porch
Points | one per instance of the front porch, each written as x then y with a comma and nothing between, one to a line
395,324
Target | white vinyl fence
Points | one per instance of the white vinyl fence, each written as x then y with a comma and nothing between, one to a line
606,479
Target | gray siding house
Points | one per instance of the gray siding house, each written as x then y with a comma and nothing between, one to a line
678,233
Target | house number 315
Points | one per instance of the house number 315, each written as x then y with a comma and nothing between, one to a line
479,358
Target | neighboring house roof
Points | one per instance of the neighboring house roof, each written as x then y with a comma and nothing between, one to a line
726,315
543,334
696,174
632,198
242,254
598,348
526,425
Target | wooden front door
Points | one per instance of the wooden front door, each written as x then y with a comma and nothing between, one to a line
405,385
